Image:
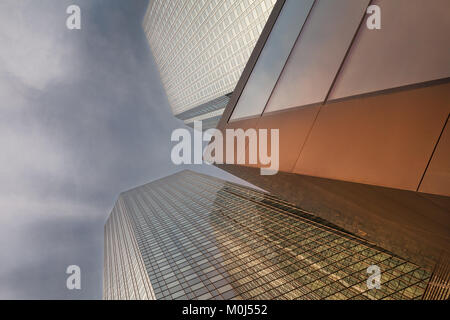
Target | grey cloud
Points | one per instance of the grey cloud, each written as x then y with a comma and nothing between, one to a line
83,117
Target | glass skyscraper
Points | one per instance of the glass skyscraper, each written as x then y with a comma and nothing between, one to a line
201,48
191,236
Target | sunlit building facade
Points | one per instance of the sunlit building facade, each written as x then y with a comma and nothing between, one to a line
362,116
201,48
191,236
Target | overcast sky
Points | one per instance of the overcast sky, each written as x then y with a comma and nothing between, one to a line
83,117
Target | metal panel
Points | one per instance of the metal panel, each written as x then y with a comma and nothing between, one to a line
239,154
272,59
293,131
412,46
384,140
437,177
318,54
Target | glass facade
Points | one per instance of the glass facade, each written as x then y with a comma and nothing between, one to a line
202,46
200,237
125,276
209,113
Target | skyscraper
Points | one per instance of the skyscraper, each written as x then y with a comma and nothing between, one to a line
337,91
362,115
191,236
201,48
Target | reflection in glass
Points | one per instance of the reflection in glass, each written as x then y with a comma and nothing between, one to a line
411,47
318,54
272,59
204,238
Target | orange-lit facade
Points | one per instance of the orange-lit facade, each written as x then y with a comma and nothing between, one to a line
362,117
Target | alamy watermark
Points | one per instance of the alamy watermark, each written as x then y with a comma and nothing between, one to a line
231,149
73,281
374,20
374,280
73,21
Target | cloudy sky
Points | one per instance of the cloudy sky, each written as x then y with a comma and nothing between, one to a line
83,117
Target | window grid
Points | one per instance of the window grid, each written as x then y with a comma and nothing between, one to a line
203,238
201,47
